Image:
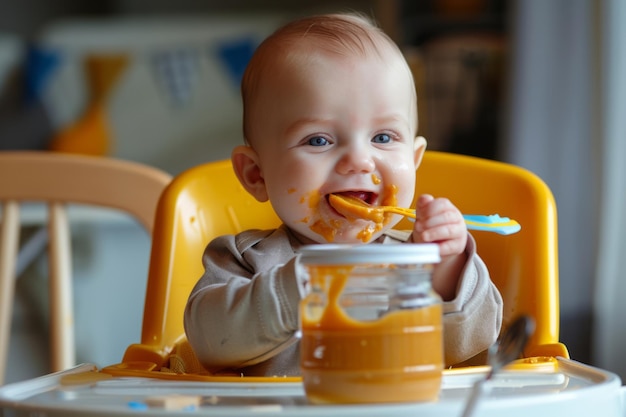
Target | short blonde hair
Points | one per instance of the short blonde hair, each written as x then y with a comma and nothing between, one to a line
343,34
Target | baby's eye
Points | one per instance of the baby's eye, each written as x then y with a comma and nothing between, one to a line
381,138
318,141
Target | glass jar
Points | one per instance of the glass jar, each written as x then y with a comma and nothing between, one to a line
371,324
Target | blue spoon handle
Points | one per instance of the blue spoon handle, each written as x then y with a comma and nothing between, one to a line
493,223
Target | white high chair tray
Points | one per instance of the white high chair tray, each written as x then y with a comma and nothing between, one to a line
571,389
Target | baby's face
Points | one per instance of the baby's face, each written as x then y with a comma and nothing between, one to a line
331,124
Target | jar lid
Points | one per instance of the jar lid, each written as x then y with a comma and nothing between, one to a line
397,253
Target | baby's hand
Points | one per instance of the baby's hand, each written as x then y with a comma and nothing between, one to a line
439,221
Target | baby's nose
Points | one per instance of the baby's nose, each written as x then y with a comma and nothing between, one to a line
356,160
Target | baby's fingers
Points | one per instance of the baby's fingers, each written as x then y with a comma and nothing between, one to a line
451,238
452,247
444,232
423,200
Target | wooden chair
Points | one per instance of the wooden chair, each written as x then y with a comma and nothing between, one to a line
207,201
58,179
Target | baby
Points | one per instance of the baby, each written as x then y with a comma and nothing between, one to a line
329,108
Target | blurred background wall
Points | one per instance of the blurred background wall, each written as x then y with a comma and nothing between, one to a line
531,82
567,101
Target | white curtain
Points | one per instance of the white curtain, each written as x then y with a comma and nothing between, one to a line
567,123
609,331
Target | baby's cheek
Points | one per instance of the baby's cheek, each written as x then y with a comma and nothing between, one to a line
300,206
287,204
312,199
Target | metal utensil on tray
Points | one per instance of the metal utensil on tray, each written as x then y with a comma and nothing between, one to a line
505,350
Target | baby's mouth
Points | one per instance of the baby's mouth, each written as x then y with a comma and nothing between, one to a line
340,203
366,196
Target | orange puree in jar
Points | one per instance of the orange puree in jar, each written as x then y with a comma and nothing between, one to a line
397,357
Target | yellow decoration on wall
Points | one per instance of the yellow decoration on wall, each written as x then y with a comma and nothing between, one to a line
91,134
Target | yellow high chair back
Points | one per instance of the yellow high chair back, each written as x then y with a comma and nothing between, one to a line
207,201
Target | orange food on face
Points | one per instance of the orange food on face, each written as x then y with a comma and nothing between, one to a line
398,357
314,199
352,209
390,198
326,230
365,235
375,179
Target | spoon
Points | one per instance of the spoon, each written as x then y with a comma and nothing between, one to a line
505,350
353,207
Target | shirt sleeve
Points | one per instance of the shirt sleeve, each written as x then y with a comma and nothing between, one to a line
236,317
472,320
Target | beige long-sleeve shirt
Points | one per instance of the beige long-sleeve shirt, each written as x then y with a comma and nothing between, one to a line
243,312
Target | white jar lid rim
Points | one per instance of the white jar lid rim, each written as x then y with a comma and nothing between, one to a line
347,254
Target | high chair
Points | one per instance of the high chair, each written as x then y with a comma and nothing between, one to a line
57,180
207,201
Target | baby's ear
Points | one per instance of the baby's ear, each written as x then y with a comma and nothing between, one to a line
246,165
419,146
